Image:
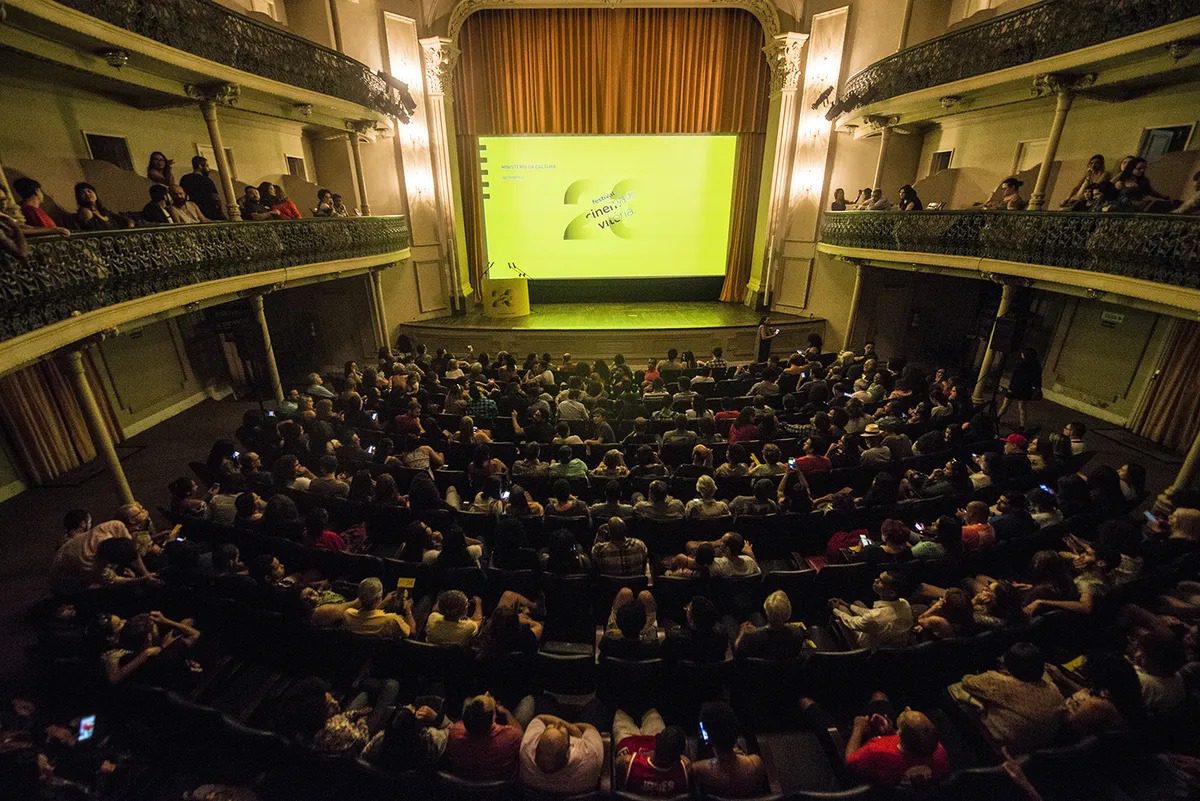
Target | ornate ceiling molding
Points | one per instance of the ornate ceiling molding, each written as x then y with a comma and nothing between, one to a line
223,94
1055,83
784,56
764,11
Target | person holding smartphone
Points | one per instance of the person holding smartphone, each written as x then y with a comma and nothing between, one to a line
730,772
764,336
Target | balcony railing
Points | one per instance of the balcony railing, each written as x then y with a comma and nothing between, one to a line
1161,248
1035,32
208,30
67,276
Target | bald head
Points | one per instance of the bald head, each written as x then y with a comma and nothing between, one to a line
553,749
1185,522
918,735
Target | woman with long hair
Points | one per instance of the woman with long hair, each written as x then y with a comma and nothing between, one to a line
160,169
764,336
92,215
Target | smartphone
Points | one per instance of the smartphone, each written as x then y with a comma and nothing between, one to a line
848,394
504,495
371,449
270,414
1150,518
87,728
792,463
703,733
235,455
375,416
1046,488
919,527
864,540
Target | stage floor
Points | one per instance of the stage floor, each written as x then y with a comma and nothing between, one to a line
600,330
618,317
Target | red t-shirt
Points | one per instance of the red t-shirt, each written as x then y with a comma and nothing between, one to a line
882,762
330,541
978,535
643,777
36,217
813,464
287,210
483,758
746,433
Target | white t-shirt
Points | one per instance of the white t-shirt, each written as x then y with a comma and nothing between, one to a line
579,775
743,565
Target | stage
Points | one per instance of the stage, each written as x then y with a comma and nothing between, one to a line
600,330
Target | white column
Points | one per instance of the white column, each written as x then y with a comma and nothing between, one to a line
256,303
885,139
1063,86
985,368
783,54
101,440
210,97
855,294
439,56
356,127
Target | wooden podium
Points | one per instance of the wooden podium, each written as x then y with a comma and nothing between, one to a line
505,297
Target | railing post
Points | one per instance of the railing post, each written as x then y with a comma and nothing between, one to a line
378,311
356,127
209,96
985,368
1184,478
101,440
885,139
260,314
1064,87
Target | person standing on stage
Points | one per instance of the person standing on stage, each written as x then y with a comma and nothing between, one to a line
765,335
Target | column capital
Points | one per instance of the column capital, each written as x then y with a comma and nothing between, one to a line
439,57
359,126
222,94
880,122
1059,83
783,56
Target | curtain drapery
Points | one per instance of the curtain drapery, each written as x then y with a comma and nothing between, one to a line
615,71
1171,416
43,419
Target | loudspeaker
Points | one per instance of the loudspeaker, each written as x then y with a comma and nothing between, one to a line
1008,334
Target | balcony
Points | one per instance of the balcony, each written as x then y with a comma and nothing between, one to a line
1150,257
73,287
957,71
170,43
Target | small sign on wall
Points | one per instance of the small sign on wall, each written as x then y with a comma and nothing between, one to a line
1110,319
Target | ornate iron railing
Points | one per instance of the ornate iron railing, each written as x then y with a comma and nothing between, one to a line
1035,32
208,30
1162,248
67,276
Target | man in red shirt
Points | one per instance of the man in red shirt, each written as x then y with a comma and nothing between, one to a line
486,744
977,532
814,459
650,757
905,752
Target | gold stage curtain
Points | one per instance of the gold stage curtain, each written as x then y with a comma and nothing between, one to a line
1171,416
615,71
44,421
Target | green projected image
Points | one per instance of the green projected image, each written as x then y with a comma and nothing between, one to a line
607,206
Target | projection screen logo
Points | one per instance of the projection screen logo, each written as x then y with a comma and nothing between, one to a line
608,212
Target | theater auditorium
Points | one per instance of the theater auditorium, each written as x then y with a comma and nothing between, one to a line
572,400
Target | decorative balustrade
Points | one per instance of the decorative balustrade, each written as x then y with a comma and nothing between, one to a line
208,30
67,276
1161,248
1035,32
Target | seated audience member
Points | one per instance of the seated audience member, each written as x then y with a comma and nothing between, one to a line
909,200
989,472
160,169
1018,704
1094,580
875,452
486,743
316,387
74,567
378,615
560,757
253,207
632,629
182,210
281,203
153,649
948,617
1050,579
316,719
616,554
762,502
602,432
1157,659
1191,203
563,435
946,540
522,504
1135,187
530,463
885,748
779,638
563,554
814,459
877,202
659,505
744,429
1093,175
886,624
730,772
772,462
700,638
706,505
1008,196
977,532
733,557
30,197
92,215
611,506
648,465
1182,536
563,503
737,463
680,438
1133,481
203,190
1043,508
448,623
701,464
612,465
567,465
324,207
893,546
339,206
510,628
327,481
650,757
158,210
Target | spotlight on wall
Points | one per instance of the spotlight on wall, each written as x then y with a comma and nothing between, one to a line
823,98
115,57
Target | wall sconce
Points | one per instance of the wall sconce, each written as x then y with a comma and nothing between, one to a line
806,181
115,57
812,125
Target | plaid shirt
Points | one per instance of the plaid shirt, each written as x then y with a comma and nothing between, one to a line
716,361
482,408
620,558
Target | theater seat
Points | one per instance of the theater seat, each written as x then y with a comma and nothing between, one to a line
450,786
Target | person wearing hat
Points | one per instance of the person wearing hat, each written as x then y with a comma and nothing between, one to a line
875,452
1015,461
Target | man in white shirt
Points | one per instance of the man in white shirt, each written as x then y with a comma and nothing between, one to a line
572,408
736,558
560,757
887,624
